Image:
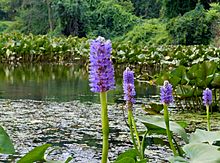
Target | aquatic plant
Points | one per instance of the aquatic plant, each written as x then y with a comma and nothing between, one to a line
207,101
189,82
129,93
39,154
101,77
128,87
167,98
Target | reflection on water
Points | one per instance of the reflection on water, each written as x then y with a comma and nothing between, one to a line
55,82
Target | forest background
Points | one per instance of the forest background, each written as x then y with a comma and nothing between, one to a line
184,22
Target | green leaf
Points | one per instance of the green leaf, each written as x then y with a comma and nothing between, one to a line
200,152
154,140
37,154
131,153
153,108
186,91
216,81
156,124
202,136
203,73
179,72
68,159
6,145
126,160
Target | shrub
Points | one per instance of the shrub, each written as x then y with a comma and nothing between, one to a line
214,16
149,32
192,28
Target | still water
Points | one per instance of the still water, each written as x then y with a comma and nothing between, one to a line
66,82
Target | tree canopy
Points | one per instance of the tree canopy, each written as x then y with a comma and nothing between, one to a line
115,19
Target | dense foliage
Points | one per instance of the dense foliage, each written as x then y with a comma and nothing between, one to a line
173,22
192,28
21,48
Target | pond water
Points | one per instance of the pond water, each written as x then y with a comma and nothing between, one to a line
66,82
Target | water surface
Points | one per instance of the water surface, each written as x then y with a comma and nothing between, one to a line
66,82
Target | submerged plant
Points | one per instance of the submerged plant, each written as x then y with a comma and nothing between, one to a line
101,79
166,98
129,93
207,100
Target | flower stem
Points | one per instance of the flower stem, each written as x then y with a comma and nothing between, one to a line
105,126
166,118
143,143
131,130
208,118
135,130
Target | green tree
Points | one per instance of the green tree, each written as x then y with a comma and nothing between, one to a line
36,17
192,28
147,9
110,19
73,16
174,8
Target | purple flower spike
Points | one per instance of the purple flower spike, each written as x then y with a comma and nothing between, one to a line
166,95
101,74
128,86
207,97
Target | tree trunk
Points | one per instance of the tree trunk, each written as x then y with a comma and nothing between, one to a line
49,15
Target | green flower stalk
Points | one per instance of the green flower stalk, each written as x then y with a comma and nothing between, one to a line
166,98
207,101
101,77
105,126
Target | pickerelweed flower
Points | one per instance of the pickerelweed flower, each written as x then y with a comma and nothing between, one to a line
128,86
207,97
101,75
166,95
129,93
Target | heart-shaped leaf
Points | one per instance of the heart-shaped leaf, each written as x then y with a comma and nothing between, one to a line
202,136
156,124
201,152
